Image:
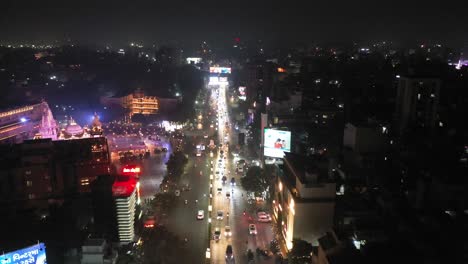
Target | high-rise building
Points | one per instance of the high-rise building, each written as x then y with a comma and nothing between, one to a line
416,103
124,191
259,81
304,202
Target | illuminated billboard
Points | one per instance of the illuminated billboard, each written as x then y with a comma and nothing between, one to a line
220,70
193,60
276,142
33,255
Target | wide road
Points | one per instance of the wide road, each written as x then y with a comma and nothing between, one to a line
183,218
239,222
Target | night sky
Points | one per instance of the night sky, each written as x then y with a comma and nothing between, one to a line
190,21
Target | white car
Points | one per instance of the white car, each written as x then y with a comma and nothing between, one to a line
252,229
227,231
220,215
200,215
263,217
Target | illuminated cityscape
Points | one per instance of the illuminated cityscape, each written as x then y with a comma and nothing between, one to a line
264,132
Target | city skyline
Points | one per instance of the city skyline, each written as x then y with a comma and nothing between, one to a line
275,22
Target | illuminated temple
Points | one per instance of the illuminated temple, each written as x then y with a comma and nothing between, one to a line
37,122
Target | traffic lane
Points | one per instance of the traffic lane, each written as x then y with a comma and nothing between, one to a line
183,220
220,202
241,225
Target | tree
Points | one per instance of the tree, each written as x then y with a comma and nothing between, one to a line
255,181
164,201
175,164
300,253
162,246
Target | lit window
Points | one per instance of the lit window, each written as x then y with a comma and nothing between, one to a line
31,196
27,172
29,183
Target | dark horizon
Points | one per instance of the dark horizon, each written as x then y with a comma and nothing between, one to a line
274,22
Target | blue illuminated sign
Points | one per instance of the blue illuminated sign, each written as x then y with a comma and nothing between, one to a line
31,255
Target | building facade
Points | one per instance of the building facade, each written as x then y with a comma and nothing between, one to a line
416,103
305,199
139,103
37,172
124,191
134,103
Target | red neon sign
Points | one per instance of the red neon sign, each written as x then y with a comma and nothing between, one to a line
131,170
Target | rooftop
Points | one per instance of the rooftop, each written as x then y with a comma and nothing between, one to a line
303,166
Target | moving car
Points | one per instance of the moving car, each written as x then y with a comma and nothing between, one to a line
227,231
252,229
220,190
229,255
233,181
217,234
219,215
201,214
228,195
263,217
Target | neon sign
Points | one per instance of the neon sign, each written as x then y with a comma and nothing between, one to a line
31,255
131,170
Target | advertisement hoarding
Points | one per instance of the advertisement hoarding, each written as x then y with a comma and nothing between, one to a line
32,255
220,70
276,142
193,60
